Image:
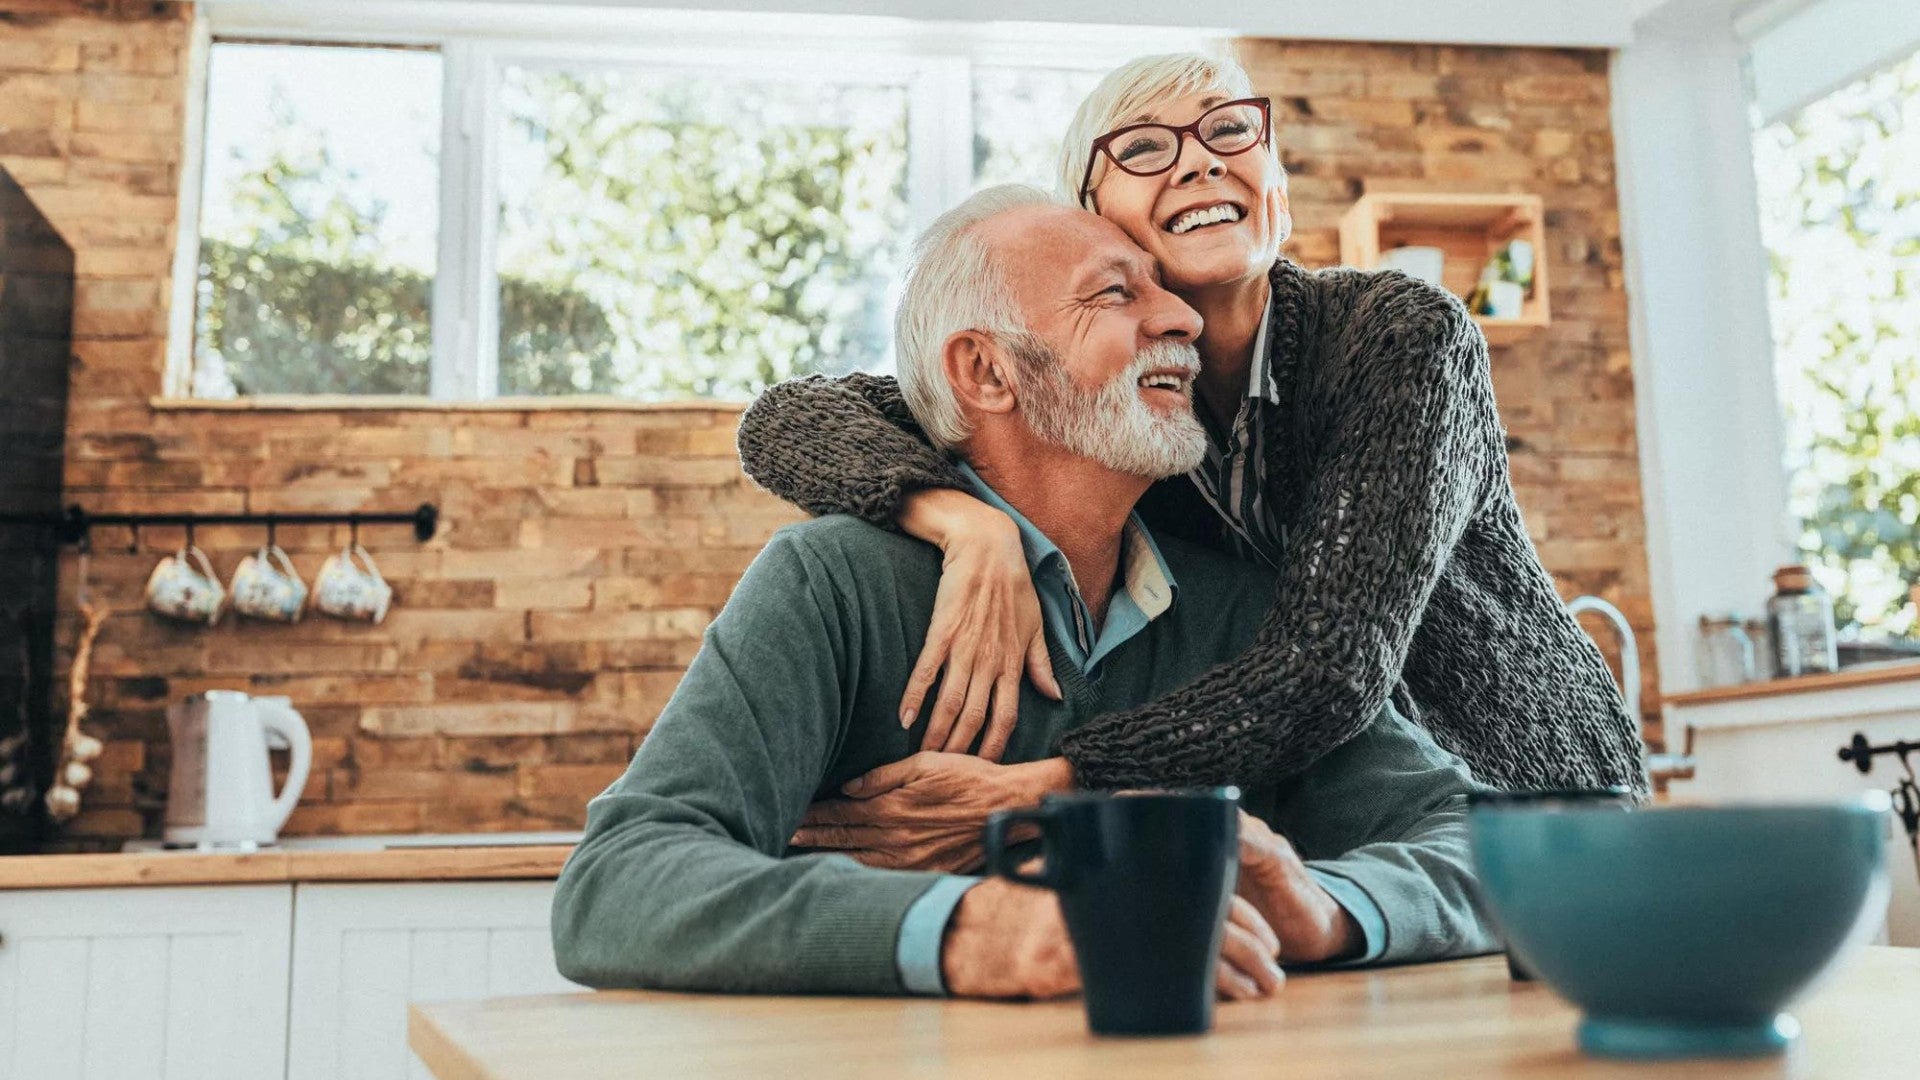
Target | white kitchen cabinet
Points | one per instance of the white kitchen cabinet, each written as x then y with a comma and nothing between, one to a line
1785,746
123,984
361,953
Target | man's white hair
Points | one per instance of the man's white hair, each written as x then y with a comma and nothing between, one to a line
1134,89
954,284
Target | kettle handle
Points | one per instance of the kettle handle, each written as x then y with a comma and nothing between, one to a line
279,717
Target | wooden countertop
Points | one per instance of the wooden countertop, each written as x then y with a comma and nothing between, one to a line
194,868
1863,675
1460,1019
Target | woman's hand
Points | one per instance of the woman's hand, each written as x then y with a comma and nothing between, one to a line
925,813
986,626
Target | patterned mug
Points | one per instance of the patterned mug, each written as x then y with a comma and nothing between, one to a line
179,590
266,586
349,586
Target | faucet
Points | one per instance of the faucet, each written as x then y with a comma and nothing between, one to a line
1668,766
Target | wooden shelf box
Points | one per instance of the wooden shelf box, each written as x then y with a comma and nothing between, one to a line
1468,228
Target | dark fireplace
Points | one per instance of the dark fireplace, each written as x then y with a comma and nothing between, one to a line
36,338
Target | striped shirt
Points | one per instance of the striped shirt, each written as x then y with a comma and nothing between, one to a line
1230,478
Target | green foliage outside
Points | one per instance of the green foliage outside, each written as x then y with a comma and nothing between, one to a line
720,233
659,239
1840,197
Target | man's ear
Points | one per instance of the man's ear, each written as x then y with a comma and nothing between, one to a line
977,369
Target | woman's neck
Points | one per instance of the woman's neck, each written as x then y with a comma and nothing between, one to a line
1233,312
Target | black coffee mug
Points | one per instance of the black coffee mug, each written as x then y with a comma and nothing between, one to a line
1144,882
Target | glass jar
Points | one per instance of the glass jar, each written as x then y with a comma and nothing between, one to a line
1727,656
1800,620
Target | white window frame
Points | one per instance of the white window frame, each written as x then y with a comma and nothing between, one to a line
935,61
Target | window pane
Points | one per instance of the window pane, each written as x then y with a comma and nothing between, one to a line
665,234
1840,201
1019,115
318,220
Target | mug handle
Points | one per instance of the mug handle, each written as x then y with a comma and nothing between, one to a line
206,564
356,553
278,554
993,836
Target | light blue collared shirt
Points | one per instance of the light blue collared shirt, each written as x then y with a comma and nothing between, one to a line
1148,592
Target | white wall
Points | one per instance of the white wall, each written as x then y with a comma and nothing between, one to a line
1814,47
1703,352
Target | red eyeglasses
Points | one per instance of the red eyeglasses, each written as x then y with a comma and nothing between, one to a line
1229,128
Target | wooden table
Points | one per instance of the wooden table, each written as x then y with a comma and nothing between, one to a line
1459,1019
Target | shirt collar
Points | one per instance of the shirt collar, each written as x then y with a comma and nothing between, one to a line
1143,571
1260,380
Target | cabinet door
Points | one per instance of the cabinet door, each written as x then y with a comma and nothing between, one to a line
361,953
121,984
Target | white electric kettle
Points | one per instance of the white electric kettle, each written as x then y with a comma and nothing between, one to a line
221,795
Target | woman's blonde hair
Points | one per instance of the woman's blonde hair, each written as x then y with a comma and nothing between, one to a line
1133,89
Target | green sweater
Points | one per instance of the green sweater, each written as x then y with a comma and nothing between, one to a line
681,880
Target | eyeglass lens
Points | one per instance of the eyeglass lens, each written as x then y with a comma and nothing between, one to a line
1228,129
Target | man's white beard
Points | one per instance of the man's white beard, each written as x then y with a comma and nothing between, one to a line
1111,425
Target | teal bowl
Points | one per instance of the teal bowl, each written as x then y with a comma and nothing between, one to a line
1683,931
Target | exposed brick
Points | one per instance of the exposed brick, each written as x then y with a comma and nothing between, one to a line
534,642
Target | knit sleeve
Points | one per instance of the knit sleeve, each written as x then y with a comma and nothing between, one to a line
841,446
1406,465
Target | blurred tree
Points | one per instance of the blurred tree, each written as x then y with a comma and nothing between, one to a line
723,232
1840,187
300,300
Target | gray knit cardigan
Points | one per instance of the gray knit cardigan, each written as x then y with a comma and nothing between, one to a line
1407,570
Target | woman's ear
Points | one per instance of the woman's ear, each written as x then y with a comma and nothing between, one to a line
976,368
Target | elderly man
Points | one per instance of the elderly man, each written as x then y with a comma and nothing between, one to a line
1035,343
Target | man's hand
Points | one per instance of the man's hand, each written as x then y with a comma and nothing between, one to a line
1007,940
926,812
1312,925
1010,941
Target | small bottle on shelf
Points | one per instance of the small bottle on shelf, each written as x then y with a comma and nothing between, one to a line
1800,624
1727,656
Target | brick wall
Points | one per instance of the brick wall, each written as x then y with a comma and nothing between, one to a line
534,640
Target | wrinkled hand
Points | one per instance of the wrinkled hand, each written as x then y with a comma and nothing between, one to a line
1008,940
926,812
1312,925
986,630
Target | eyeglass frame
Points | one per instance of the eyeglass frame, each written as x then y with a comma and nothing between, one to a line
1104,144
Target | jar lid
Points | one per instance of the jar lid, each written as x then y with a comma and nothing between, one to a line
1795,578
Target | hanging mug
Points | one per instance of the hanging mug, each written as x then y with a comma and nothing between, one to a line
266,586
184,587
349,586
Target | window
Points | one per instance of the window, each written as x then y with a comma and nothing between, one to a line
1019,114
470,212
318,228
666,235
1840,197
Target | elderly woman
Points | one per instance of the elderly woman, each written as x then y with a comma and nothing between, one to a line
1354,447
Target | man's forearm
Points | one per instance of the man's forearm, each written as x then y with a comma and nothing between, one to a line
652,898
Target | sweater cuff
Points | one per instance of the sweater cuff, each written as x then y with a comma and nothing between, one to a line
857,944
1409,924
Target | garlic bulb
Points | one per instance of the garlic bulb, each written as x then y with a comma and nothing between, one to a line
84,747
76,774
62,802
